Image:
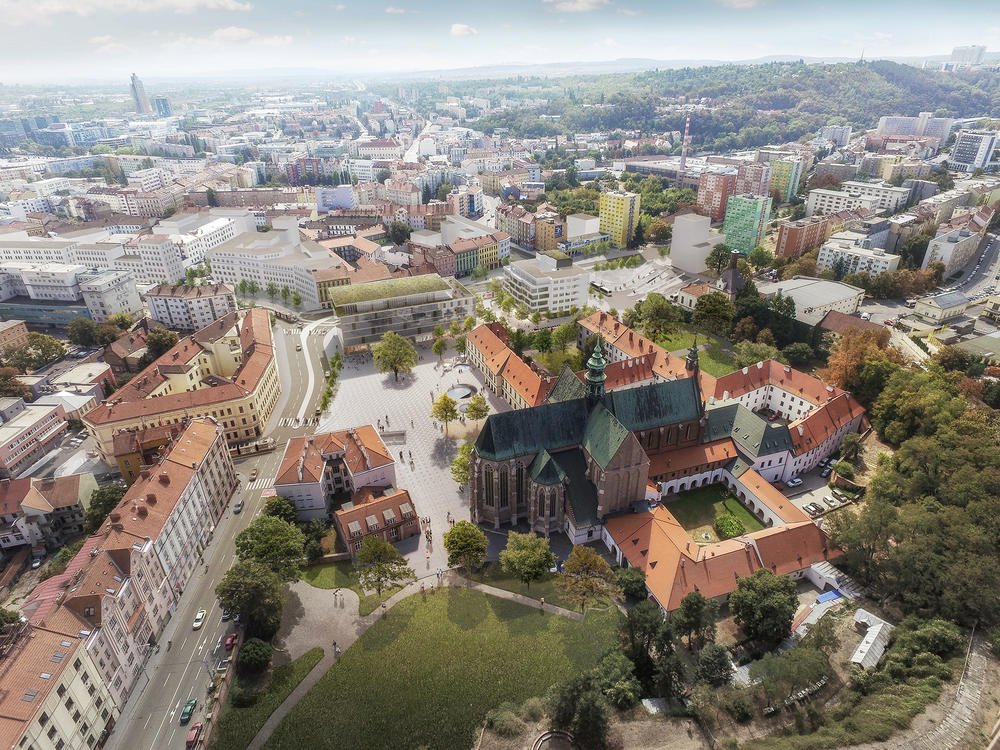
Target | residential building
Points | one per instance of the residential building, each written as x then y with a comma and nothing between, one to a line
317,471
518,222
714,189
380,149
27,432
753,178
619,215
785,177
189,308
692,242
108,293
838,135
139,97
729,283
550,229
162,106
411,307
940,308
51,694
837,323
955,248
472,253
846,257
46,513
225,371
138,448
821,201
815,297
745,221
506,374
13,334
888,197
549,282
802,235
922,125
974,149
385,513
466,200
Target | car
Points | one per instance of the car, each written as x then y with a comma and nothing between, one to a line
188,711
199,619
298,347
238,507
253,475
794,482
226,615
812,508
772,417
318,411
193,736
826,472
890,322
36,563
830,501
231,640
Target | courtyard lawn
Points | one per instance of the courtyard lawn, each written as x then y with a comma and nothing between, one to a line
554,361
238,726
716,362
342,575
676,341
697,509
425,675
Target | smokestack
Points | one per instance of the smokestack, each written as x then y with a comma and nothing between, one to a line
684,147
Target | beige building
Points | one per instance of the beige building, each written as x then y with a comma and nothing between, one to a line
226,371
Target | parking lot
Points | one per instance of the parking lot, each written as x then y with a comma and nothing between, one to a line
813,491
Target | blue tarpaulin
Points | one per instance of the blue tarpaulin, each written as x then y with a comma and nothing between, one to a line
828,596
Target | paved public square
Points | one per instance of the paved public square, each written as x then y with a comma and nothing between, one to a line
365,397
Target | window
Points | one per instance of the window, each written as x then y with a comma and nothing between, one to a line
76,716
69,704
61,690
52,733
43,719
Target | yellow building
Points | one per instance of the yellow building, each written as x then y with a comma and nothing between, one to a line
550,230
226,370
619,213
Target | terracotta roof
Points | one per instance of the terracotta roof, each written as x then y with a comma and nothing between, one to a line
625,372
839,322
531,386
696,290
494,350
12,492
819,424
384,504
132,441
360,448
767,494
774,373
44,598
682,459
55,492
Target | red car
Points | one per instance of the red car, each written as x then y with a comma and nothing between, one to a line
231,641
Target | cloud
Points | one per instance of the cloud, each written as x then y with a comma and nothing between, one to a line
577,6
741,4
463,29
610,43
19,12
394,11
233,34
108,45
339,6
629,12
230,35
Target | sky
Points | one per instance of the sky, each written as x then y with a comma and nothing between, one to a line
65,40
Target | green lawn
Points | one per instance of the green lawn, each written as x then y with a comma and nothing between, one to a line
680,339
716,362
238,726
493,575
554,361
697,509
427,674
342,575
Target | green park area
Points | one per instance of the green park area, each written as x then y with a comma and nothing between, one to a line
697,509
427,673
342,575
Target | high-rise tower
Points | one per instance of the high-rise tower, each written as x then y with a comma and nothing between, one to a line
139,96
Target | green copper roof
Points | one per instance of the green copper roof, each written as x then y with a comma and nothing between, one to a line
581,492
655,405
752,434
596,365
567,387
528,431
603,436
544,470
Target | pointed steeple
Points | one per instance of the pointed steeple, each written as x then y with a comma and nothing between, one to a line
692,357
595,373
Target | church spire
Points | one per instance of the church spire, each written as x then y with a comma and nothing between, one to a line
692,357
595,373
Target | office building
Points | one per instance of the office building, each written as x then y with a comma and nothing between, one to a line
974,149
922,125
162,106
745,221
139,97
619,215
27,432
189,308
549,282
714,189
844,256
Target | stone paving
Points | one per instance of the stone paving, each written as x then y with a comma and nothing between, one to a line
364,397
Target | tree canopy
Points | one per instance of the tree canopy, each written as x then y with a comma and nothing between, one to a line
466,544
381,565
394,354
587,577
526,557
764,605
274,542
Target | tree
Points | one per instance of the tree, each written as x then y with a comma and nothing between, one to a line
381,565
11,386
275,543
798,353
470,323
466,544
122,321
445,410
951,358
764,605
588,577
519,341
526,557
718,258
542,340
714,311
281,507
103,500
563,336
454,328
296,299
394,354
745,329
81,331
41,350
255,655
242,287
106,334
632,582
695,617
850,446
211,197
251,590
714,665
160,340
862,362
477,407
439,347
748,353
578,706
461,344
272,290
760,257
460,464
399,232
285,293
659,232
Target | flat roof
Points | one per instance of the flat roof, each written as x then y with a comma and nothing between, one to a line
387,289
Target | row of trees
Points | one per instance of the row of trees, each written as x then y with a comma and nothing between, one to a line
86,333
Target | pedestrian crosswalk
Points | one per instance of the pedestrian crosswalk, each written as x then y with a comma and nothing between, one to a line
260,483
296,422
321,331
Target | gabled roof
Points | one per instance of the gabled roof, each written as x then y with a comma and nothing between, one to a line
567,386
544,470
655,405
527,431
603,435
752,434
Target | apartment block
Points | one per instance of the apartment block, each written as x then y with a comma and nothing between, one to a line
802,235
27,432
189,308
822,201
785,177
846,257
518,222
745,221
955,249
13,334
619,215
548,282
43,512
753,178
714,190
974,149
922,125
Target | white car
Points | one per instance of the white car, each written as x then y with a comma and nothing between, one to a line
199,619
793,482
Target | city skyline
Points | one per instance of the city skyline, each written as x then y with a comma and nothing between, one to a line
204,38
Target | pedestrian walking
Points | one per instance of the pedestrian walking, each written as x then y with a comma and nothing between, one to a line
383,609
543,602
337,651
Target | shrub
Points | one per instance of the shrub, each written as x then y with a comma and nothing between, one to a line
533,709
255,655
728,526
844,469
632,581
242,697
741,708
504,722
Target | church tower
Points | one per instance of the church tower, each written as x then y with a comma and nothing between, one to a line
595,373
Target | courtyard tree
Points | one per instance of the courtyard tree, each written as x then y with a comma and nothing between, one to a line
445,410
103,500
632,582
587,577
41,350
714,311
526,557
122,321
466,544
81,331
798,353
477,407
563,336
695,618
251,590
394,354
519,341
11,385
461,344
381,566
764,605
460,464
160,340
749,353
439,347
542,340
714,665
274,542
281,507
850,446
296,299
399,232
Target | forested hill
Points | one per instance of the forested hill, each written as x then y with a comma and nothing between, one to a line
751,105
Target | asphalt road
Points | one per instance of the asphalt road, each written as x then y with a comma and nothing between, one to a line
151,718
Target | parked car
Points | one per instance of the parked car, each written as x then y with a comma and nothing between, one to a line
812,508
253,475
188,711
826,472
199,619
36,563
890,322
231,641
298,347
226,615
193,736
238,507
794,482
830,501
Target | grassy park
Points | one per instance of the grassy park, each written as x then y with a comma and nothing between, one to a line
342,575
427,673
697,509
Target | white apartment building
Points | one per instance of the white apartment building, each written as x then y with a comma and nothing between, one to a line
822,201
922,125
189,308
197,233
152,259
889,198
380,149
974,149
547,283
51,186
108,293
855,257
148,180
955,249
